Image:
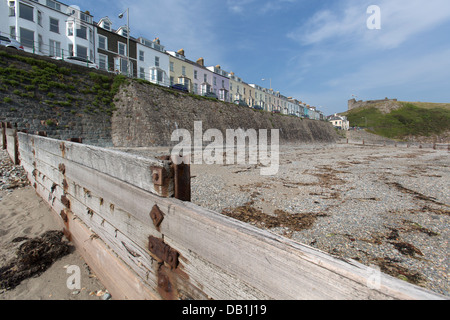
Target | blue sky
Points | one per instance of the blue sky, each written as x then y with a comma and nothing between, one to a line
318,51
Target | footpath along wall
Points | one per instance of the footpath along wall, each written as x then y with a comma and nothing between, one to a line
120,212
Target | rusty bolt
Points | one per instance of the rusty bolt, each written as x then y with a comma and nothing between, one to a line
157,176
156,215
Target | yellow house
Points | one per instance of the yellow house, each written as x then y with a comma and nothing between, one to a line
236,88
180,71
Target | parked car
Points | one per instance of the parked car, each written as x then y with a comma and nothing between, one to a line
10,43
79,61
276,111
211,95
258,108
241,103
179,87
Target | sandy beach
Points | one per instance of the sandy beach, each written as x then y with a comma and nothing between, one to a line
23,215
385,207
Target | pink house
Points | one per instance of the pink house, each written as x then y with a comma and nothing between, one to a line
210,80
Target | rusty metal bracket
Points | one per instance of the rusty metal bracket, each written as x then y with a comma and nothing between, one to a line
158,176
157,216
182,181
163,251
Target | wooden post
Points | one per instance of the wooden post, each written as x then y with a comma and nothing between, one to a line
3,135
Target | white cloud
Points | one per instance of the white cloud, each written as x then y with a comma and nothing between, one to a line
401,20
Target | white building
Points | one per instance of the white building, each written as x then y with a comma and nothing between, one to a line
339,122
49,27
152,62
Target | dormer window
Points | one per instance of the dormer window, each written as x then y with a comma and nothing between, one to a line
123,31
105,23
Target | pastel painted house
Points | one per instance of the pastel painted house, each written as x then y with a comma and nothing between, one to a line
152,62
181,70
220,83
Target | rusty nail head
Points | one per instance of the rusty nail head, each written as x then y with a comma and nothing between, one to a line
156,215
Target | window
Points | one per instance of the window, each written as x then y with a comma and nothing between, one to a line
172,81
70,29
55,48
125,32
223,83
195,88
195,75
171,67
85,17
183,70
82,32
12,32
121,65
205,78
141,55
157,61
54,5
142,73
103,62
82,52
71,50
54,25
12,8
40,43
91,36
157,76
122,49
215,81
39,18
102,42
26,12
27,37
106,25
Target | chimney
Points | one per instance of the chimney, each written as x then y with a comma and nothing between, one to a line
218,66
201,62
157,41
181,52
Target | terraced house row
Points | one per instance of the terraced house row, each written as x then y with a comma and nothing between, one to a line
52,28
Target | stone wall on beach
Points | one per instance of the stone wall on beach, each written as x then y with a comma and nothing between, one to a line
147,115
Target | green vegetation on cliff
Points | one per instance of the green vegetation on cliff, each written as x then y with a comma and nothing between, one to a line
408,120
54,86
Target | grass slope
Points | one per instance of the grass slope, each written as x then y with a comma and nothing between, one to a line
409,120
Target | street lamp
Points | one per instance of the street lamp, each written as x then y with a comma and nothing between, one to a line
128,38
270,82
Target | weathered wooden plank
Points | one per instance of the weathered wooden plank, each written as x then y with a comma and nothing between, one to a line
3,130
114,274
276,266
126,167
12,145
125,284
